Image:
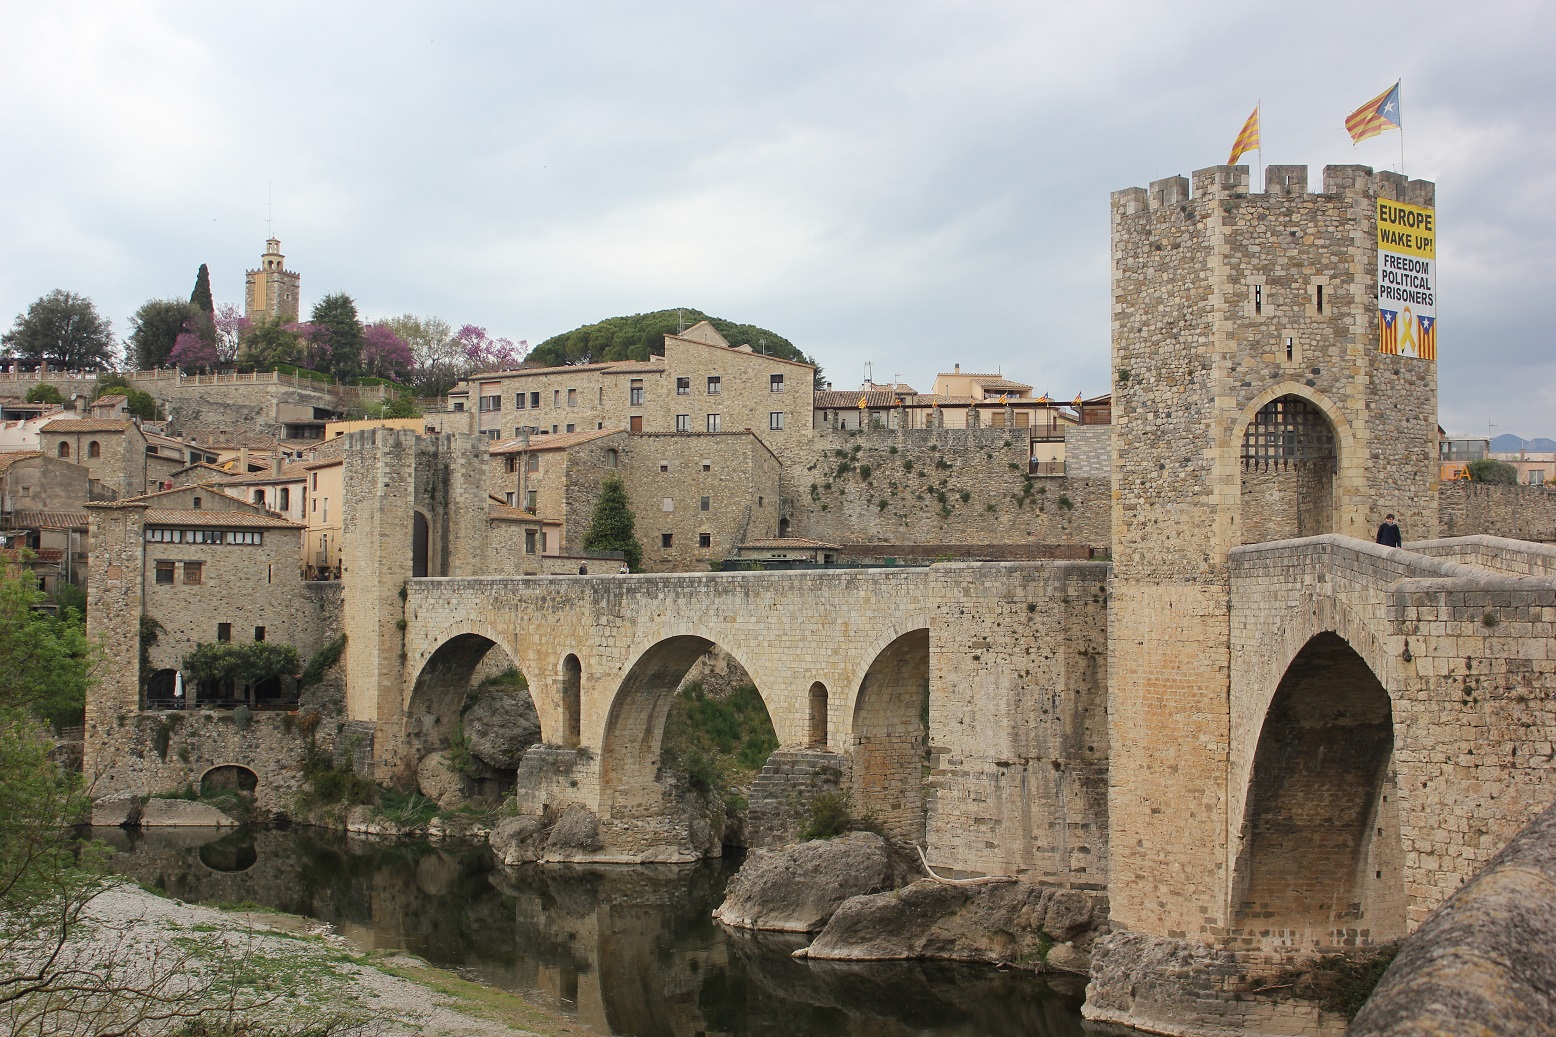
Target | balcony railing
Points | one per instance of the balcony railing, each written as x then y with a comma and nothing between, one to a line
1047,468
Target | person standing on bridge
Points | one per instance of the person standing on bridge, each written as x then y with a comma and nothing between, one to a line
1388,532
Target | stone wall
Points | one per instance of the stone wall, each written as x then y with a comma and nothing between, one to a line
907,486
1520,512
1088,452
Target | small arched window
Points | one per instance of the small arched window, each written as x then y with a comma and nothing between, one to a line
94,449
64,449
286,498
259,496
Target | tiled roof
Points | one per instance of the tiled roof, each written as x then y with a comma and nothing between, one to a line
999,384
47,554
151,500
830,399
503,512
295,471
795,543
966,374
22,519
10,457
653,365
89,425
202,464
219,519
552,441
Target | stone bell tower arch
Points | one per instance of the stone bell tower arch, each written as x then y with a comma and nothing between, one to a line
1252,402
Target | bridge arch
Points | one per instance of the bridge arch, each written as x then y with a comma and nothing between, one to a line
1318,863
634,724
889,735
445,674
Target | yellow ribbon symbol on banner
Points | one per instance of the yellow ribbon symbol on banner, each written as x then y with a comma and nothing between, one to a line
1407,336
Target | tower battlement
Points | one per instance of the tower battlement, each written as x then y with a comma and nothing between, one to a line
1233,183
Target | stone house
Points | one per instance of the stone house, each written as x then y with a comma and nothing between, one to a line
208,568
701,383
113,450
695,495
33,481
283,491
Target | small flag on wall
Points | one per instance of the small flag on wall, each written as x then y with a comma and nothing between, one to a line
1379,114
1248,140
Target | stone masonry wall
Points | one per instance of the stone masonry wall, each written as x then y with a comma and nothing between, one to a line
907,486
1520,512
1088,452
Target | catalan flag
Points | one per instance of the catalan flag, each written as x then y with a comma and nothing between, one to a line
1248,140
1426,346
1379,114
1388,331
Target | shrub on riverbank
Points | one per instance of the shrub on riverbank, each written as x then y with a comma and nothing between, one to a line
718,743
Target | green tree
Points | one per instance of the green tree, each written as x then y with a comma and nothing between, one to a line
338,334
63,329
642,334
241,663
269,342
612,528
200,298
46,661
436,353
43,392
1490,470
153,330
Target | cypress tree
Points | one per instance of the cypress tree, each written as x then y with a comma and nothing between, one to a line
612,526
200,298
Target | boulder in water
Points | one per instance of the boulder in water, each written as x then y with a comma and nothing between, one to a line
796,889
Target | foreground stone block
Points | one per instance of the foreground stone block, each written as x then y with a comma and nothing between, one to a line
120,810
183,813
1007,922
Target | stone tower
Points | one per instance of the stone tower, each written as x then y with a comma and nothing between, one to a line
416,506
1255,399
272,290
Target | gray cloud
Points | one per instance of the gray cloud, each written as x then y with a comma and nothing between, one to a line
913,184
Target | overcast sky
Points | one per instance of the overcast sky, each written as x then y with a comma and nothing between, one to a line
907,183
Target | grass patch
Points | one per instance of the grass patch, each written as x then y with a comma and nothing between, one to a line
406,809
498,1006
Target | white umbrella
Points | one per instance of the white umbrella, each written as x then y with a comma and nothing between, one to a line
178,684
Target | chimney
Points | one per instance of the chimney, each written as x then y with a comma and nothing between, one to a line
243,460
275,459
956,368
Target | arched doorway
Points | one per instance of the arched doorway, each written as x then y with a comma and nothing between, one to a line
1319,862
817,702
1289,458
420,542
572,701
891,737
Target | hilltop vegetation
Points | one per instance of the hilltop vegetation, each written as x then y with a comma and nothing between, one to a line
635,337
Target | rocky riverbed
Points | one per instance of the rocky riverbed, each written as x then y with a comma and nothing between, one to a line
270,973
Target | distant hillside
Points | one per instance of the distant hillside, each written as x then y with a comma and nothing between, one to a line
1508,443
635,337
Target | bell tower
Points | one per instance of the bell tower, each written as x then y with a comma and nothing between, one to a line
272,290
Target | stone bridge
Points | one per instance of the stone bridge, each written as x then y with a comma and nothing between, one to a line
1005,660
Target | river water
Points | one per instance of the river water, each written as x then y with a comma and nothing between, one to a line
629,951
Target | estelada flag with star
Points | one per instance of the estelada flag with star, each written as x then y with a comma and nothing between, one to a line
1248,140
1379,114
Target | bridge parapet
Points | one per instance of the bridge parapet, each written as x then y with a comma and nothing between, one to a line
1461,634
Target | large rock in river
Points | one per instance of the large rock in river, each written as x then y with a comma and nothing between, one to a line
500,726
440,781
1010,922
797,888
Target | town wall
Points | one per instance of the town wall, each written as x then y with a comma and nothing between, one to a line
1088,452
907,486
1520,512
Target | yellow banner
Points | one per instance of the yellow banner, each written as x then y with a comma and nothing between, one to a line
1407,229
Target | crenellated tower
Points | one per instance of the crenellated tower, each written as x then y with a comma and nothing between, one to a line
1261,391
272,290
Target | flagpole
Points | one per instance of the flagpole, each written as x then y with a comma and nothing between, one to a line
1259,107
1400,86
